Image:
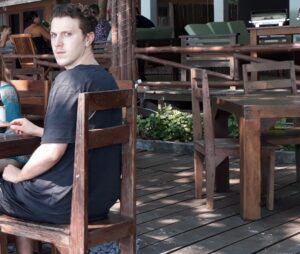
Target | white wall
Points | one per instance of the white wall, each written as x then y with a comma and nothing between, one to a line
294,8
149,10
220,10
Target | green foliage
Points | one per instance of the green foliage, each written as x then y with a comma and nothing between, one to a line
282,123
167,124
233,127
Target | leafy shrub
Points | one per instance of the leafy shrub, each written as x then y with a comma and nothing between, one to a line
233,127
167,124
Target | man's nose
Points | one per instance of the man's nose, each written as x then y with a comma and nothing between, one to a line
58,41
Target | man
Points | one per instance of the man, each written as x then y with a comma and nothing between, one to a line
103,27
5,43
41,191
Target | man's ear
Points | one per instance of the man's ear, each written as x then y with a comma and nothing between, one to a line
89,38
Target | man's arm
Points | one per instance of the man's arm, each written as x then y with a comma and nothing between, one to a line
43,158
45,33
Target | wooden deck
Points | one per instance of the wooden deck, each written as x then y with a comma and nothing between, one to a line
170,220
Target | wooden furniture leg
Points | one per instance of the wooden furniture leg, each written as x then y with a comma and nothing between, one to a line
250,168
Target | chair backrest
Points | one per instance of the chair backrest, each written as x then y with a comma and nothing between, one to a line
86,139
24,46
27,73
33,95
272,81
125,84
202,119
239,27
219,27
198,29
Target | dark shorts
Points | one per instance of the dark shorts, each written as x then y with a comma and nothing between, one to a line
12,207
4,206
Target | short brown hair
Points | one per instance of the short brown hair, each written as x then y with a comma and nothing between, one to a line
87,22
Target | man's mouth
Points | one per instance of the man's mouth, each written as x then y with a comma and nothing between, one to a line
59,53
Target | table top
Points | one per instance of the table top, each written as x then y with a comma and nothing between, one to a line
263,105
17,145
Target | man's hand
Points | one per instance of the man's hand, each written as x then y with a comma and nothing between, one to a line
11,174
22,126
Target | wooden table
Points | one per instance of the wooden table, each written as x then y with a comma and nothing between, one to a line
272,30
13,146
250,110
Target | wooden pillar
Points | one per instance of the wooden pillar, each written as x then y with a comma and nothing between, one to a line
126,26
115,51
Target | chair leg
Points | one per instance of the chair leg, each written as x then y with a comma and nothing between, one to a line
270,190
210,180
61,250
128,244
268,169
198,174
297,148
3,243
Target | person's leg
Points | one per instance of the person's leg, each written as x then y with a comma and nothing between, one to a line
24,245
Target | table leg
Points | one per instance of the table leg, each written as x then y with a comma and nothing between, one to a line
250,148
298,162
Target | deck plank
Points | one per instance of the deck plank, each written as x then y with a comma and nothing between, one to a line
170,220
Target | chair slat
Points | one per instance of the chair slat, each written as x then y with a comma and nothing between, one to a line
274,66
108,136
109,100
268,84
273,82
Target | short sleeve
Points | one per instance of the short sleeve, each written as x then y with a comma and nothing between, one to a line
60,119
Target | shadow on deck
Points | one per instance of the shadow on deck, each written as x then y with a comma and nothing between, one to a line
170,220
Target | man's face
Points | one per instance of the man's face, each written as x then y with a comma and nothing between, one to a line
67,41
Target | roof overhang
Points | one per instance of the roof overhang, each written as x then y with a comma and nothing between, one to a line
4,3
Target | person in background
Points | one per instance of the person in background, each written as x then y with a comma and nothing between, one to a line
5,43
103,27
142,21
42,190
10,100
40,35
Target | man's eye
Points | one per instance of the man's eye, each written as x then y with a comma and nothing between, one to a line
67,34
53,35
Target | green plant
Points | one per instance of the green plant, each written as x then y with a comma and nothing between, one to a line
233,127
167,124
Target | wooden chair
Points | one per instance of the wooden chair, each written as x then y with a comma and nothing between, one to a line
201,35
271,82
27,73
79,235
24,46
208,150
33,95
289,135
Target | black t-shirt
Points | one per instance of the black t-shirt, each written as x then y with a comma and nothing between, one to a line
48,196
